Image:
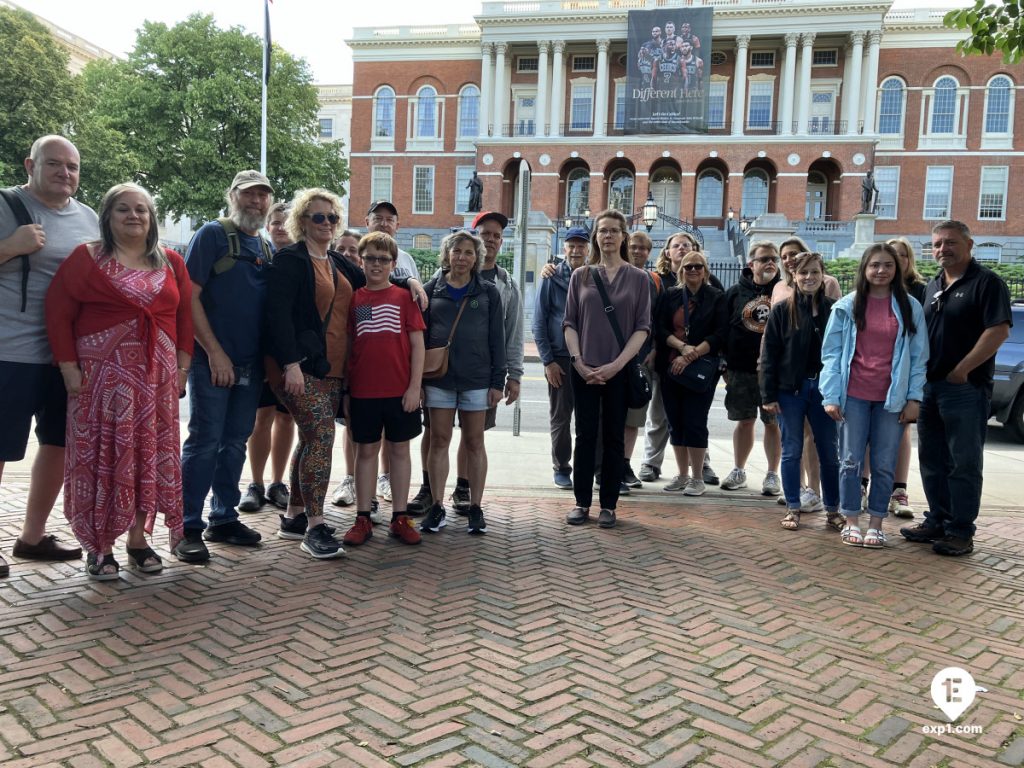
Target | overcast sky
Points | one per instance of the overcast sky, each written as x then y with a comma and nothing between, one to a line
312,29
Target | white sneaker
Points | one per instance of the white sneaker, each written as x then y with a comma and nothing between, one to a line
345,493
771,486
810,501
899,504
384,487
678,484
694,487
375,516
735,480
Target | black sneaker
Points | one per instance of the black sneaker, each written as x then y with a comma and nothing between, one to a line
435,519
460,500
191,549
277,494
421,502
253,499
921,533
476,523
630,479
321,544
294,529
233,533
953,546
709,476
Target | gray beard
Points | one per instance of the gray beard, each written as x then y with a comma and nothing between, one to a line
247,222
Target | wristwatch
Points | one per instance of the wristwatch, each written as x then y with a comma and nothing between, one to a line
572,359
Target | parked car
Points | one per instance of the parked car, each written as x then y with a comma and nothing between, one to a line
1008,392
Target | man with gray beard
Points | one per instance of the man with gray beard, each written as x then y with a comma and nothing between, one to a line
227,261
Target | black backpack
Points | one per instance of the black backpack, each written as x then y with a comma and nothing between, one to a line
21,215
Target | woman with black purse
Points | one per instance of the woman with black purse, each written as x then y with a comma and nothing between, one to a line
307,333
607,319
691,326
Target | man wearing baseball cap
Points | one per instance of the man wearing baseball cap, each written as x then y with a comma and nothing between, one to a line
226,261
382,216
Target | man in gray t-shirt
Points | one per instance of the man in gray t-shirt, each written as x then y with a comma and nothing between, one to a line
32,386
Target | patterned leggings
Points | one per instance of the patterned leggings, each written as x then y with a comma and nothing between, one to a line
311,463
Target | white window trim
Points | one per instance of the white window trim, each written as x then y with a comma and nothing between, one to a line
433,183
420,143
467,142
459,187
764,78
619,86
891,140
725,106
999,140
896,204
519,67
822,50
981,187
955,140
384,143
581,82
826,84
378,194
518,90
762,66
949,194
575,56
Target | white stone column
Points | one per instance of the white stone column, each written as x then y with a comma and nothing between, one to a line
851,84
557,88
739,86
806,57
870,85
788,84
542,87
500,89
601,96
486,88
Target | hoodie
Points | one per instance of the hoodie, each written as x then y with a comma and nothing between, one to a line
748,305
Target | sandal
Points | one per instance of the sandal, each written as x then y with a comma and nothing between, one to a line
144,559
874,538
791,521
94,567
851,535
835,520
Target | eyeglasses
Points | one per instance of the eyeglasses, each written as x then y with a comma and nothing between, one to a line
468,231
377,259
693,267
604,231
936,302
765,260
320,218
384,219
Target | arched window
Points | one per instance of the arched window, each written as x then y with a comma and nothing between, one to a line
384,113
710,189
620,192
944,106
890,108
426,113
577,192
997,104
469,112
755,193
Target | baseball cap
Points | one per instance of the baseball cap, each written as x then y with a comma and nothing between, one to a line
246,179
382,204
485,215
577,233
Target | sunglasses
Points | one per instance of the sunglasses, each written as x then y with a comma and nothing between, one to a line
320,218
693,267
377,259
766,260
472,232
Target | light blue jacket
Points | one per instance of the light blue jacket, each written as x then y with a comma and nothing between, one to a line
909,356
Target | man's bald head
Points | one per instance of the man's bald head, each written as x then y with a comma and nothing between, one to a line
53,167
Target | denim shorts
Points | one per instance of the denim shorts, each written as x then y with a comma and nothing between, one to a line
468,400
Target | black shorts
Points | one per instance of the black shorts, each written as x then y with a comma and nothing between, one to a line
268,398
370,416
31,390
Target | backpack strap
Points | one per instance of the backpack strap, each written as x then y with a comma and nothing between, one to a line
21,215
227,261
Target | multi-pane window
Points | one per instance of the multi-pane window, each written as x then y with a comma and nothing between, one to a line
718,58
527,63
423,189
620,192
380,182
759,114
827,249
944,106
762,59
581,114
825,57
384,113
463,174
577,192
709,194
326,128
755,193
887,179
469,112
988,252
997,105
426,113
938,190
890,110
716,104
992,196
584,64
620,106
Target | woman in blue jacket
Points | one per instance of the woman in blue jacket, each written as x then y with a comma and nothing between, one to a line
873,371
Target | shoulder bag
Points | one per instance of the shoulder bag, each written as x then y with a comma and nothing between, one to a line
435,360
638,388
700,375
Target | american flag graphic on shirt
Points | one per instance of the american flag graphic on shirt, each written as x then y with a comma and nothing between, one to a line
383,318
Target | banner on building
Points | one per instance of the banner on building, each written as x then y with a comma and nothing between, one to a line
668,72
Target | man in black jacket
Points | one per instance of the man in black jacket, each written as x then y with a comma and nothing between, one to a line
749,303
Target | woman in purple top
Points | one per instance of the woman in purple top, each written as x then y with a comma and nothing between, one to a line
598,361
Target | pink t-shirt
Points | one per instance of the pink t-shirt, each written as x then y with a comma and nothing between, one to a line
871,367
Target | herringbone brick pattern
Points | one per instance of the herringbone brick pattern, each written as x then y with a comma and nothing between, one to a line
696,633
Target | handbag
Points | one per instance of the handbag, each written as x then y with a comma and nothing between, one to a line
638,388
435,359
700,375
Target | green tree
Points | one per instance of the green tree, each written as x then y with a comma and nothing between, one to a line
993,27
37,93
184,112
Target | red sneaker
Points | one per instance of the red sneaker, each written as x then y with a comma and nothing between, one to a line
401,529
359,533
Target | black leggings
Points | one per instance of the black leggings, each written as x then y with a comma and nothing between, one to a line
604,403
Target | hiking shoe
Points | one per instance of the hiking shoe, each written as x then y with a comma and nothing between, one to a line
191,549
953,546
563,480
375,516
476,525
292,529
677,484
234,533
578,516
623,488
735,480
277,494
359,533
899,504
649,473
321,544
435,519
694,487
460,500
810,501
606,518
384,487
630,479
708,475
772,485
253,498
421,502
402,529
345,493
921,533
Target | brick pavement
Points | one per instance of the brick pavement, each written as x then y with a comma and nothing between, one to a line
697,633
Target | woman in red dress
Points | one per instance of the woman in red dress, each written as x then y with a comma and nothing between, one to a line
119,318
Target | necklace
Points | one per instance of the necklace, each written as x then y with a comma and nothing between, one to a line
318,258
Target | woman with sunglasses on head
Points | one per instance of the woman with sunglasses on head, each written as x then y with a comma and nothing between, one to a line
874,356
790,366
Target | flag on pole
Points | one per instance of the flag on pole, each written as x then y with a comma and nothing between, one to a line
266,40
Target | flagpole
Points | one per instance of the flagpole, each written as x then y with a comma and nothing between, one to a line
264,78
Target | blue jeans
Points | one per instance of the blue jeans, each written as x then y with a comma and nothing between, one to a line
867,422
220,422
797,406
951,447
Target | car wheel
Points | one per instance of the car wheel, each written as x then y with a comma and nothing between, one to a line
1015,423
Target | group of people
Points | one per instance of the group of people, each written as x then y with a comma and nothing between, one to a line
104,330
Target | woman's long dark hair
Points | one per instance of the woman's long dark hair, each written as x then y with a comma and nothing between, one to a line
814,299
898,287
